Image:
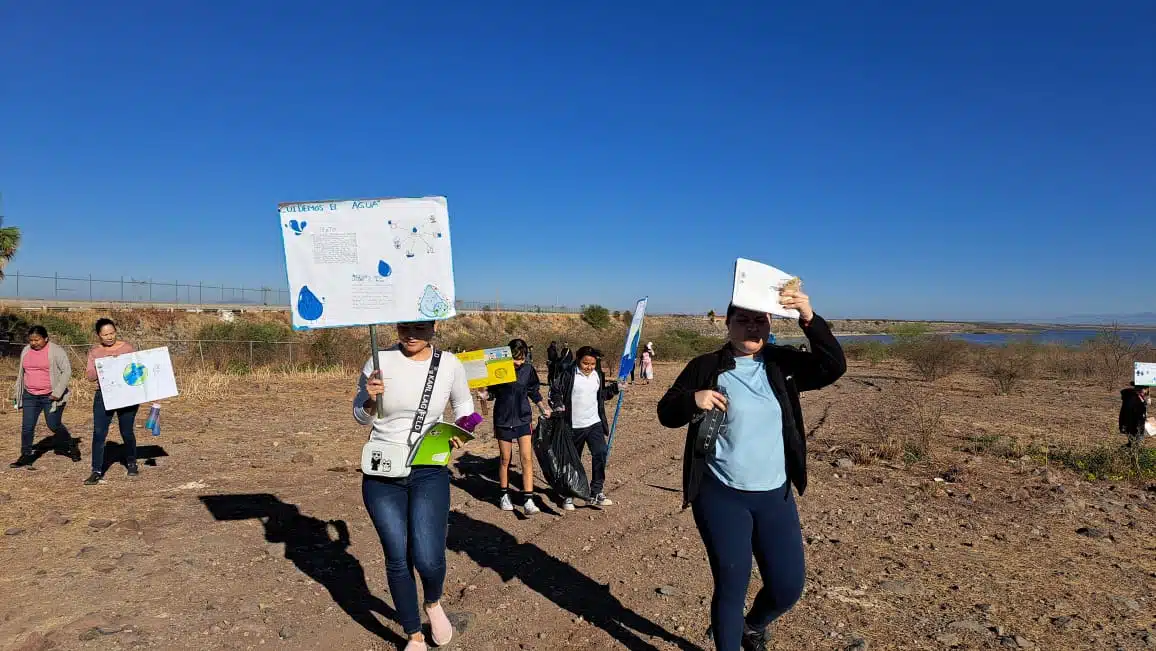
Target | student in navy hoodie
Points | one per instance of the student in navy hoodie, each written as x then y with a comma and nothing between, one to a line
512,418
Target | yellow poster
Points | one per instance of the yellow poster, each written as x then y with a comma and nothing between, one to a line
488,367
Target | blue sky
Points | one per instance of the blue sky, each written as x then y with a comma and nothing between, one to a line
906,158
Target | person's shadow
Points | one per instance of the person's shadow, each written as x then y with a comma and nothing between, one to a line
478,476
310,547
495,549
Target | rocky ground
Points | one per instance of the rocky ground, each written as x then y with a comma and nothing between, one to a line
246,530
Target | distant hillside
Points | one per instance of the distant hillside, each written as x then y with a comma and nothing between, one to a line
1137,319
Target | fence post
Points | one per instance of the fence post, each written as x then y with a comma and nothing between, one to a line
122,289
201,350
200,294
150,290
250,356
56,285
290,353
89,288
177,290
17,284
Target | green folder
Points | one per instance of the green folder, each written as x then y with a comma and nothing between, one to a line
434,448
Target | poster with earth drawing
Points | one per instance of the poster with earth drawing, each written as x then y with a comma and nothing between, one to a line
368,262
136,378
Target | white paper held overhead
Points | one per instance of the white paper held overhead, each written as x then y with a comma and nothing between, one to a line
757,288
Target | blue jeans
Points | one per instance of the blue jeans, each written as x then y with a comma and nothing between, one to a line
733,524
411,516
32,406
101,421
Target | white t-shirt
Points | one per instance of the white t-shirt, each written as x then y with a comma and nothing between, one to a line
584,400
404,380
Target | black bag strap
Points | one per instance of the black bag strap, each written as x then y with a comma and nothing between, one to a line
419,416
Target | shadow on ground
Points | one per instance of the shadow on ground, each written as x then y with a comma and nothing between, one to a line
310,547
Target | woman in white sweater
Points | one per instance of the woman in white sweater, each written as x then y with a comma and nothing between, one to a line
411,513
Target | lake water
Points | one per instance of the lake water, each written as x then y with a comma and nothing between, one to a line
1065,336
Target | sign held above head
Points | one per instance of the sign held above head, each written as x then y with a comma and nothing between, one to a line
757,287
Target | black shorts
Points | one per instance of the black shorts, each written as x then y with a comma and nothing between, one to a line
511,434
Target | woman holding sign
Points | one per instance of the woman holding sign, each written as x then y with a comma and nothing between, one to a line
512,419
110,346
737,478
410,505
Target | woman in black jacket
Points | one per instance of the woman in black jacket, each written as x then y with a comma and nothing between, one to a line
739,484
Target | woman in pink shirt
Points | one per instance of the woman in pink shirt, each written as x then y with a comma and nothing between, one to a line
110,346
42,387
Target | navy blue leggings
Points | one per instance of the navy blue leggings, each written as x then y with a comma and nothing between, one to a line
733,524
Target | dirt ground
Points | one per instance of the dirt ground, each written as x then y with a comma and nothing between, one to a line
246,530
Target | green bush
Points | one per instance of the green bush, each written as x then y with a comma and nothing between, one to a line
871,352
596,316
932,356
908,330
685,344
257,344
1109,462
64,332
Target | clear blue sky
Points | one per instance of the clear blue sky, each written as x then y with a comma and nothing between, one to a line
907,158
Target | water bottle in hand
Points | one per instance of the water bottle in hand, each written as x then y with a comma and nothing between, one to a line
153,424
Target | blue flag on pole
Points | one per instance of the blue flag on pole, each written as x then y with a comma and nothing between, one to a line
626,364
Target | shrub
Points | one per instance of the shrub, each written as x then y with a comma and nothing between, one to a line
1112,356
596,316
257,344
908,330
871,352
932,356
680,344
1109,462
1008,366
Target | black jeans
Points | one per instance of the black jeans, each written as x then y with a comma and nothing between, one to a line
101,421
733,524
33,406
595,437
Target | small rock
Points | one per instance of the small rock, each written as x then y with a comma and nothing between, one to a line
109,630
1062,621
55,518
967,626
90,635
128,525
338,469
104,567
897,587
303,458
858,644
1091,532
5,498
948,639
681,554
13,531
667,591
286,633
541,636
99,523
1022,642
844,464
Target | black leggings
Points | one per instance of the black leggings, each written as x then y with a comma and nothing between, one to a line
733,524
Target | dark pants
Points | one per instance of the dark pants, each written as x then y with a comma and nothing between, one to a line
733,524
101,421
595,437
411,515
32,407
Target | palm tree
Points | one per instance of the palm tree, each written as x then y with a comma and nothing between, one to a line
9,242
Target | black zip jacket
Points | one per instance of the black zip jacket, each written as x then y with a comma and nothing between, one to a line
512,400
789,371
1133,412
562,390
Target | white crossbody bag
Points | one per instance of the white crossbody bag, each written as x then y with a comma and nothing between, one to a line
390,459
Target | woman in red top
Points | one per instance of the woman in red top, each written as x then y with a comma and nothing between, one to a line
110,346
42,387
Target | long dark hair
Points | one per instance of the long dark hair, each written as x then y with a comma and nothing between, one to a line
37,330
518,348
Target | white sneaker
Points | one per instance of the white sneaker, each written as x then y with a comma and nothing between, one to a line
531,507
601,500
505,504
568,505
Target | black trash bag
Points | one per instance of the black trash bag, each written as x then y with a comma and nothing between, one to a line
559,460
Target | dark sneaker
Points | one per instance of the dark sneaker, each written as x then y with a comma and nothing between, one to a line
133,470
94,479
755,640
24,461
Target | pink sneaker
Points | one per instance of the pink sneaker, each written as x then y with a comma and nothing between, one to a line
416,645
440,627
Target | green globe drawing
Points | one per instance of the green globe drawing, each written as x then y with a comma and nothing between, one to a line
135,374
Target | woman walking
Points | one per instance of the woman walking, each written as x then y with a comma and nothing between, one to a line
739,483
42,380
110,346
646,363
411,509
512,418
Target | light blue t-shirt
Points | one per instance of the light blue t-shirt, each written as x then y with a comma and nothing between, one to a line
749,453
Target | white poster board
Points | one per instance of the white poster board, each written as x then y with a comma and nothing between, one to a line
357,263
136,378
1145,374
757,287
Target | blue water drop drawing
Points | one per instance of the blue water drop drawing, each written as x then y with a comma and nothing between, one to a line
298,227
433,304
308,306
384,269
415,229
